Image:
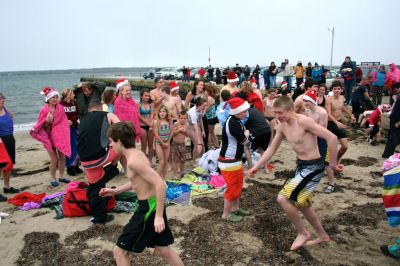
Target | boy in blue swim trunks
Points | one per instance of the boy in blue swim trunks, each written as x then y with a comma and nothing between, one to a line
296,195
148,227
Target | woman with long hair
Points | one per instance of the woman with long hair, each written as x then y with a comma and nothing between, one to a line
146,124
72,111
198,91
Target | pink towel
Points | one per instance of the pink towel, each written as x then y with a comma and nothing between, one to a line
57,136
217,181
126,110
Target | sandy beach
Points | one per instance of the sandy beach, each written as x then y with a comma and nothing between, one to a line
353,216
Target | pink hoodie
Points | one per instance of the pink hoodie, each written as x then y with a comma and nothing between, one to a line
393,76
57,136
126,110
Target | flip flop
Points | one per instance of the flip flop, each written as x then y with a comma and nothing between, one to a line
242,212
54,183
233,218
385,250
64,180
330,189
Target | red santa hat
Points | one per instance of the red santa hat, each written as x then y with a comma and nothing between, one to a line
310,95
238,105
173,86
302,84
49,93
121,82
253,82
232,77
283,84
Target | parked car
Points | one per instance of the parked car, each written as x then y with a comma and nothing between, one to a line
331,76
169,73
368,68
149,75
279,79
193,73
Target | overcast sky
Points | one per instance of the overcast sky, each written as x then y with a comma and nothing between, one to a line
52,34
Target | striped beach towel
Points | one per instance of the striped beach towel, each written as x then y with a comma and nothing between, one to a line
391,195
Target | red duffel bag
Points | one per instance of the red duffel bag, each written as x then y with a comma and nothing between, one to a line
76,202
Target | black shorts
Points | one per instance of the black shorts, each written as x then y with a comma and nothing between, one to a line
212,121
261,141
322,147
147,128
375,129
9,143
339,133
139,233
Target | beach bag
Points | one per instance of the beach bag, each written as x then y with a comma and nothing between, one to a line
392,162
76,202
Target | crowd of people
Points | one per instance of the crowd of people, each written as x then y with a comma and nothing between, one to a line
98,128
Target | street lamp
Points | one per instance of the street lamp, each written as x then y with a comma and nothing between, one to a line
333,35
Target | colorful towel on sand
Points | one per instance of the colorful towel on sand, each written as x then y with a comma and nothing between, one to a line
58,135
23,197
179,193
201,183
391,163
391,195
126,110
5,158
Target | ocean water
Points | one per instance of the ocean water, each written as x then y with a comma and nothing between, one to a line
22,89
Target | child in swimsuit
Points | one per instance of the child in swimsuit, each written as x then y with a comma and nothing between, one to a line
163,134
146,124
178,146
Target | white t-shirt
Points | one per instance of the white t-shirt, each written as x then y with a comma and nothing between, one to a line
193,116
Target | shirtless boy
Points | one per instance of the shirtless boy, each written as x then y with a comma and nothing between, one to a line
172,103
156,96
178,147
148,227
296,195
310,84
335,107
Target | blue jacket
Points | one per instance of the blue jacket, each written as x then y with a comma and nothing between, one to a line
380,79
222,117
317,74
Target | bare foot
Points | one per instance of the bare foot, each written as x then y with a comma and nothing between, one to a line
300,240
318,240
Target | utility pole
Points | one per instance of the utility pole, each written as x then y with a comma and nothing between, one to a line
333,35
209,55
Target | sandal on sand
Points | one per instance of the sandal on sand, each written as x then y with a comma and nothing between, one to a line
385,250
233,218
330,189
64,180
242,212
11,190
2,198
54,183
